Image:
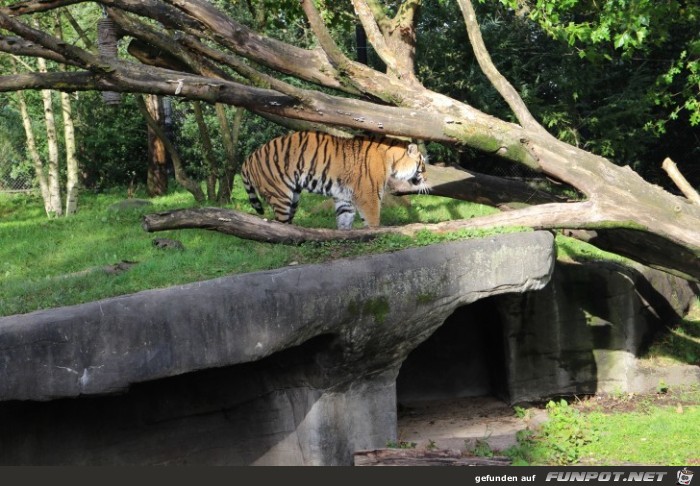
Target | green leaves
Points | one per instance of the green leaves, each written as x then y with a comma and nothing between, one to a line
568,431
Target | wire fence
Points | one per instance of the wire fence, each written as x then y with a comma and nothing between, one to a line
16,183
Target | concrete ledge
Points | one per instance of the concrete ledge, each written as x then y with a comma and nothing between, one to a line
287,367
377,307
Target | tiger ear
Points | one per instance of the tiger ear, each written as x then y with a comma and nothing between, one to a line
413,150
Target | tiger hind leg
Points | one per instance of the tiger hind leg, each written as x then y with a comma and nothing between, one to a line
344,214
252,196
285,207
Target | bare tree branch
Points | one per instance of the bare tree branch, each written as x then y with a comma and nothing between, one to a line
401,37
480,188
681,182
75,54
506,90
319,107
78,29
31,6
335,55
374,33
666,256
393,40
248,43
21,47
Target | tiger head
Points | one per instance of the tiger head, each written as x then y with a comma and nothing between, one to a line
409,165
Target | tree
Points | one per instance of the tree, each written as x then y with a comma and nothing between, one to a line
152,111
50,183
200,53
69,140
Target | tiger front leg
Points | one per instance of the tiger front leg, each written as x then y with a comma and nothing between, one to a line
344,213
369,211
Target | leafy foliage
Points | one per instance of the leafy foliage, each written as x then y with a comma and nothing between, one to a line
568,430
618,78
648,52
113,149
561,439
618,428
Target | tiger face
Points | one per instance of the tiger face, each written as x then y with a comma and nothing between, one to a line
409,165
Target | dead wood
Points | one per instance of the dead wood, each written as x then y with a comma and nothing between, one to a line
417,457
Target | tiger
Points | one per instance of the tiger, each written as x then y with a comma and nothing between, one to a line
353,171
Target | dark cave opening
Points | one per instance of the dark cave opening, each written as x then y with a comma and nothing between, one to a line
465,357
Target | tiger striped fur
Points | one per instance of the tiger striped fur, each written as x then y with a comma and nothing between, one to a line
353,171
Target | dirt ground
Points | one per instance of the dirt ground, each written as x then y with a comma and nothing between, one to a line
459,423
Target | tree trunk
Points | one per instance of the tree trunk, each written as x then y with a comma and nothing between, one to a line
179,167
54,181
457,183
72,171
251,227
230,138
209,157
157,177
34,153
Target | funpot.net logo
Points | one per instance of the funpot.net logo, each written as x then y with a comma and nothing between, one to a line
684,476
605,476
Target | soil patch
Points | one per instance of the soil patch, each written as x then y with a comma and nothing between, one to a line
463,423
466,424
635,402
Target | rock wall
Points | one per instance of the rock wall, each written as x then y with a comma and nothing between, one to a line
581,334
292,366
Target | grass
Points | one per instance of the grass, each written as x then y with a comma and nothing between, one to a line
587,433
573,250
55,262
681,344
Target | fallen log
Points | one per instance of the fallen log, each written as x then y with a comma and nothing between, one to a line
251,227
634,243
419,457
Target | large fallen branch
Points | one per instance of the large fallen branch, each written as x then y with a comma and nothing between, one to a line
251,227
420,457
544,217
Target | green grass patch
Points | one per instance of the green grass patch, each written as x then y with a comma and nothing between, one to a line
661,436
571,249
681,344
55,262
646,433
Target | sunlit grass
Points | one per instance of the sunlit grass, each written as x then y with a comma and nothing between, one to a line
681,344
646,433
571,249
54,262
661,435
